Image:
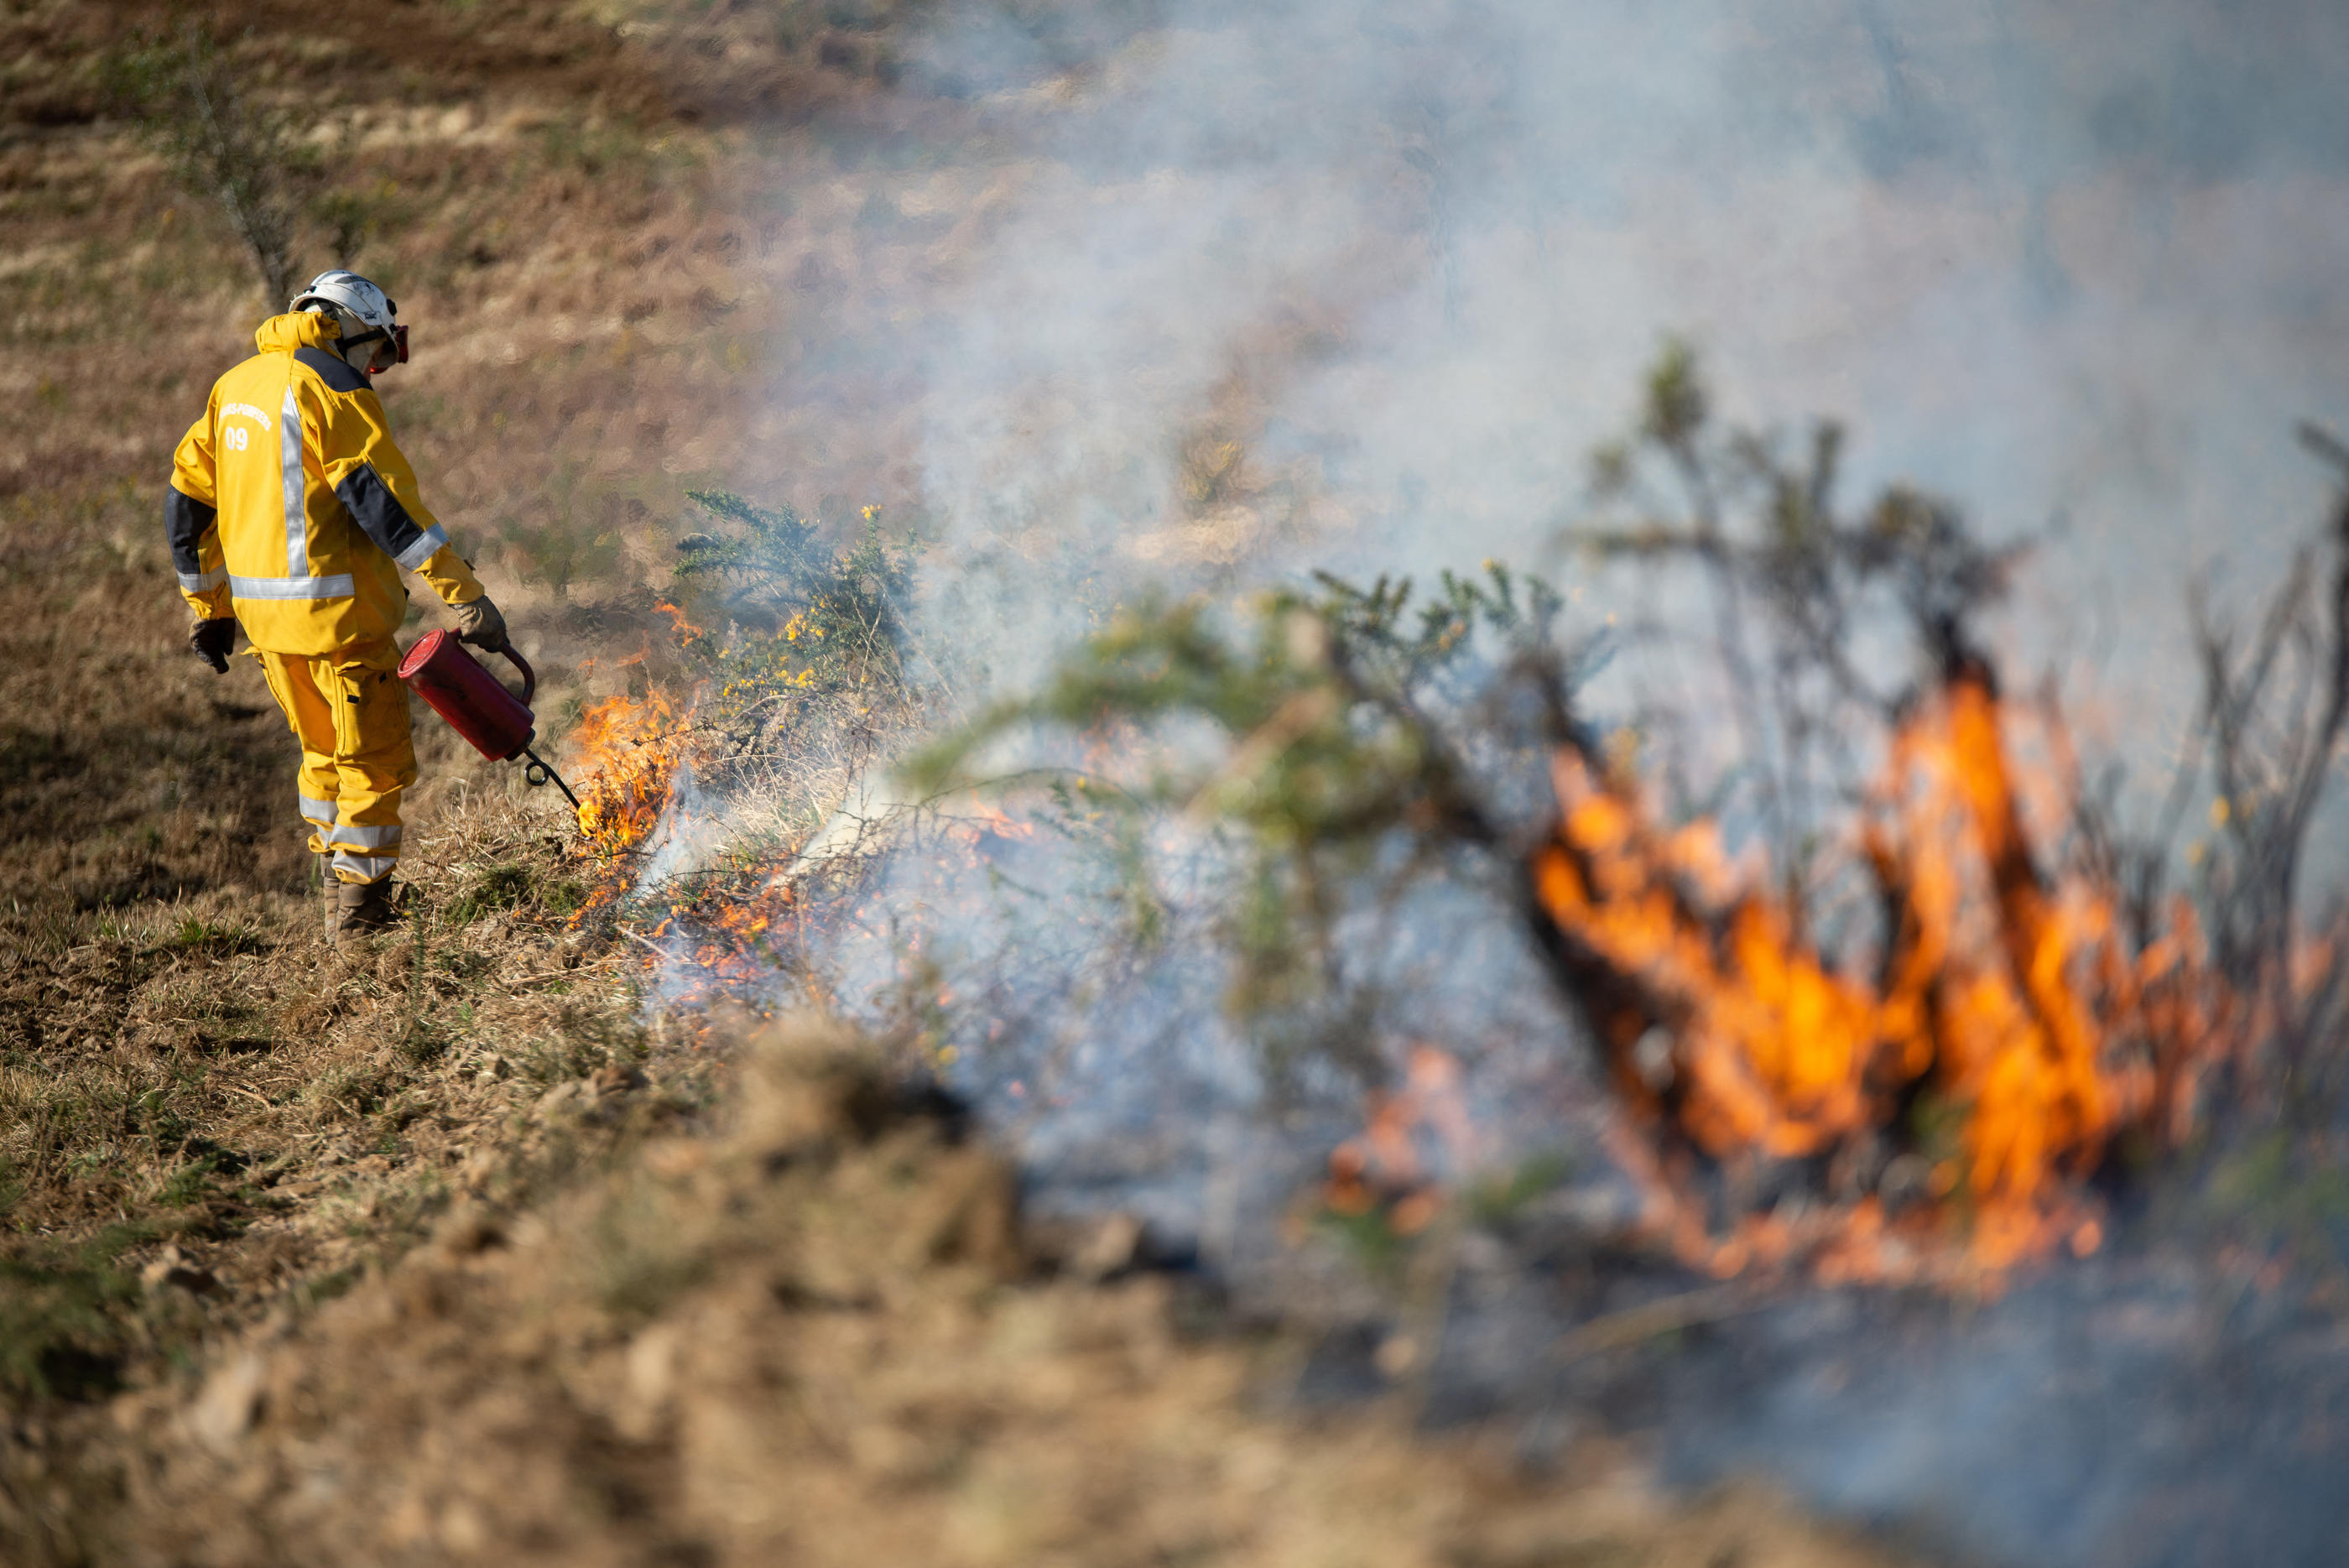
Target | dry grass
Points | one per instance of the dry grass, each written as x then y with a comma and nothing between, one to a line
186,1065
820,1340
211,1076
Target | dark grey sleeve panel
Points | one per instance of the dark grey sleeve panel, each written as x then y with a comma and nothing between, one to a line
383,519
338,376
186,521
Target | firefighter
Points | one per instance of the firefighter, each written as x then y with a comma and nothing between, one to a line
292,513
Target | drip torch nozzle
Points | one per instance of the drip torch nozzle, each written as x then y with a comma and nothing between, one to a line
539,773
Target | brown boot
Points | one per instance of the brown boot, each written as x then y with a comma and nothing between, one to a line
362,908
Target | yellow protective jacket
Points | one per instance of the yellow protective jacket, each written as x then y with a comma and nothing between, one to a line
291,507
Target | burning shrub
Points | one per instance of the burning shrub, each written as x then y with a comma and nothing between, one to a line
791,657
1913,1033
1994,990
1906,1033
793,621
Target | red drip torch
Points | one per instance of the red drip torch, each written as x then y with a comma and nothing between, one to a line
438,670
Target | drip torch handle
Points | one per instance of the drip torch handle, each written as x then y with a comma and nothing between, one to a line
528,676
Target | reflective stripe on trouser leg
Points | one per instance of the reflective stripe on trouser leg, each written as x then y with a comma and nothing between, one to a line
363,854
319,814
351,714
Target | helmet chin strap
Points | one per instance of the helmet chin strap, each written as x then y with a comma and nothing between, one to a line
364,363
346,343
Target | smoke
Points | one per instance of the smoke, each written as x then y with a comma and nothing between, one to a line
2071,265
1223,291
2113,1415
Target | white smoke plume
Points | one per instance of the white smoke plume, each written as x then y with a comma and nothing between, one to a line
2066,263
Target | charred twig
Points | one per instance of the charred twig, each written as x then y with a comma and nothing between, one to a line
1794,586
1652,1320
2272,748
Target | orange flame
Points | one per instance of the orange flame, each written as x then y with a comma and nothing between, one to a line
2010,997
1383,1168
975,820
624,745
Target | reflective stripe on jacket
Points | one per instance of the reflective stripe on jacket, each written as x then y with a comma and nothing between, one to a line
291,505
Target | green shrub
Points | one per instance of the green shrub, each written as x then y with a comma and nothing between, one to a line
801,614
1335,703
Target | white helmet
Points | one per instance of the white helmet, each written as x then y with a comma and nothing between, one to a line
364,313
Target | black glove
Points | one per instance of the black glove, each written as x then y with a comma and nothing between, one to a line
480,623
211,641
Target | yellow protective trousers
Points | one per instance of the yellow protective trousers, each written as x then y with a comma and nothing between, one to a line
349,711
